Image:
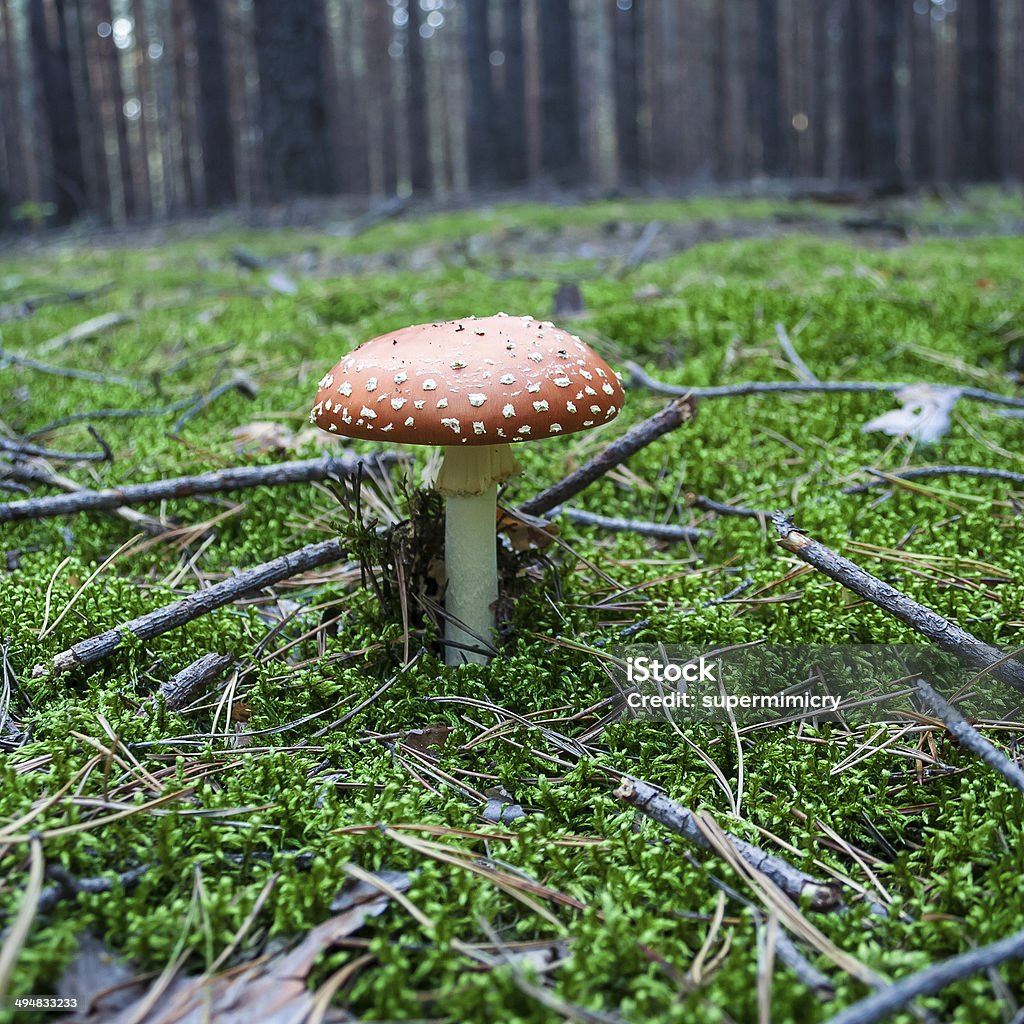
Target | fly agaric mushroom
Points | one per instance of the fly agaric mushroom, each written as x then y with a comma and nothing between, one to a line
474,386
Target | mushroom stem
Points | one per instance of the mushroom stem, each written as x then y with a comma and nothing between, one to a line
469,481
471,567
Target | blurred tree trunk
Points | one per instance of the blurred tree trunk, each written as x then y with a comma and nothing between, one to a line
52,61
383,154
216,135
91,123
922,93
481,119
885,169
560,141
14,155
417,103
769,101
627,51
107,59
512,137
139,69
854,107
296,150
976,91
181,27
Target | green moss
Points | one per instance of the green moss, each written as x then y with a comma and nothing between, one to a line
298,801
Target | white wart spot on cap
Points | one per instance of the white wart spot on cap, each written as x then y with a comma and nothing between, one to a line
509,411
371,383
478,427
452,423
409,421
345,388
533,388
555,428
401,377
570,406
477,400
368,413
508,378
595,408
430,384
419,403
540,406
397,403
524,429
326,381
536,357
562,382
442,403
607,389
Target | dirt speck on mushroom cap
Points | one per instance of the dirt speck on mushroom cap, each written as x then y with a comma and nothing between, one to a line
474,381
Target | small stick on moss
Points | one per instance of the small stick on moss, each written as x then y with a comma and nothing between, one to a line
659,531
26,472
171,616
917,472
83,331
792,881
639,376
940,631
667,419
720,508
8,358
180,688
891,998
68,886
239,384
23,448
967,736
803,371
237,478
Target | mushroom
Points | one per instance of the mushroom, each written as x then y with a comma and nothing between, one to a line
474,386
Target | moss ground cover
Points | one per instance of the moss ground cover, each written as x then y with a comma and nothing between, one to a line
273,803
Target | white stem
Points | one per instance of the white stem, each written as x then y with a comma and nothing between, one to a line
471,566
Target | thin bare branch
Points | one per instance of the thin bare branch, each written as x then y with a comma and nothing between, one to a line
944,634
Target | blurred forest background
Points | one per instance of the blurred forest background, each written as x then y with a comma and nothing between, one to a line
131,110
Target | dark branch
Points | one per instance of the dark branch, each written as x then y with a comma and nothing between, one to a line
943,633
239,478
171,616
894,997
967,736
674,816
659,531
667,419
639,376
918,472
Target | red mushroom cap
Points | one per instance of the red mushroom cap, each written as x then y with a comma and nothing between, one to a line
477,381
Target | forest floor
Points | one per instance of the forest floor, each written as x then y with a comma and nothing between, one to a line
446,844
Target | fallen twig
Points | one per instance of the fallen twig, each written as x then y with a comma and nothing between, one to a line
12,358
803,371
891,998
674,816
23,448
238,478
884,477
639,251
639,376
240,384
68,886
154,623
27,472
944,634
80,332
660,531
722,509
667,419
110,414
967,736
179,689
